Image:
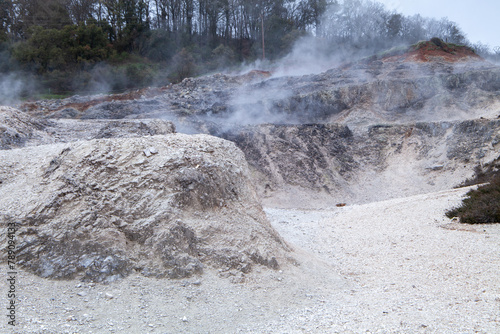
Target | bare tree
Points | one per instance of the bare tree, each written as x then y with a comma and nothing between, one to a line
82,10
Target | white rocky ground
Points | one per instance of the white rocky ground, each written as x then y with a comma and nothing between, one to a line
398,266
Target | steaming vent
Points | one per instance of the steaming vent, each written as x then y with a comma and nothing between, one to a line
325,133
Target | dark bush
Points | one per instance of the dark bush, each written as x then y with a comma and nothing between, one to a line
483,174
183,66
139,74
159,46
438,42
482,206
222,57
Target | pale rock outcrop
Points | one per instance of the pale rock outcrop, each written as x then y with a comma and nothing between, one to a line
160,205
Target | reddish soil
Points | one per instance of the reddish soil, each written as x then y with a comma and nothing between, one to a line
136,94
429,51
145,92
255,75
82,106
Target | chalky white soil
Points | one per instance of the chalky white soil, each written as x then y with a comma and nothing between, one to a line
398,266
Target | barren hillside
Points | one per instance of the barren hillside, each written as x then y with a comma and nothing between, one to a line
340,136
309,203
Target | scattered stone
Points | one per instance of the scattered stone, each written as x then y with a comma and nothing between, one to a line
150,151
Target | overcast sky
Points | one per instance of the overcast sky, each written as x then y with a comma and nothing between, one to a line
479,19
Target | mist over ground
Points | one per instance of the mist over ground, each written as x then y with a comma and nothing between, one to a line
347,32
71,50
15,86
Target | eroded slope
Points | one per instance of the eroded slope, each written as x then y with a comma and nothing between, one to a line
317,165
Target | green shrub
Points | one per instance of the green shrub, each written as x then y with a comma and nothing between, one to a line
139,75
62,49
482,206
57,81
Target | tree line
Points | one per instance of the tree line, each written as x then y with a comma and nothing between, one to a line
140,25
128,43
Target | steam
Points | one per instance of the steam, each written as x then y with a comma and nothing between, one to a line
348,32
104,78
256,104
14,86
99,79
310,55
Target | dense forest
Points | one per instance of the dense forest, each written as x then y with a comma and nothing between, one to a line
110,45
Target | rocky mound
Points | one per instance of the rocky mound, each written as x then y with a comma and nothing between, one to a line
374,92
67,130
17,128
162,206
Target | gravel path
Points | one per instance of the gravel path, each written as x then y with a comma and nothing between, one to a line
415,270
398,266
